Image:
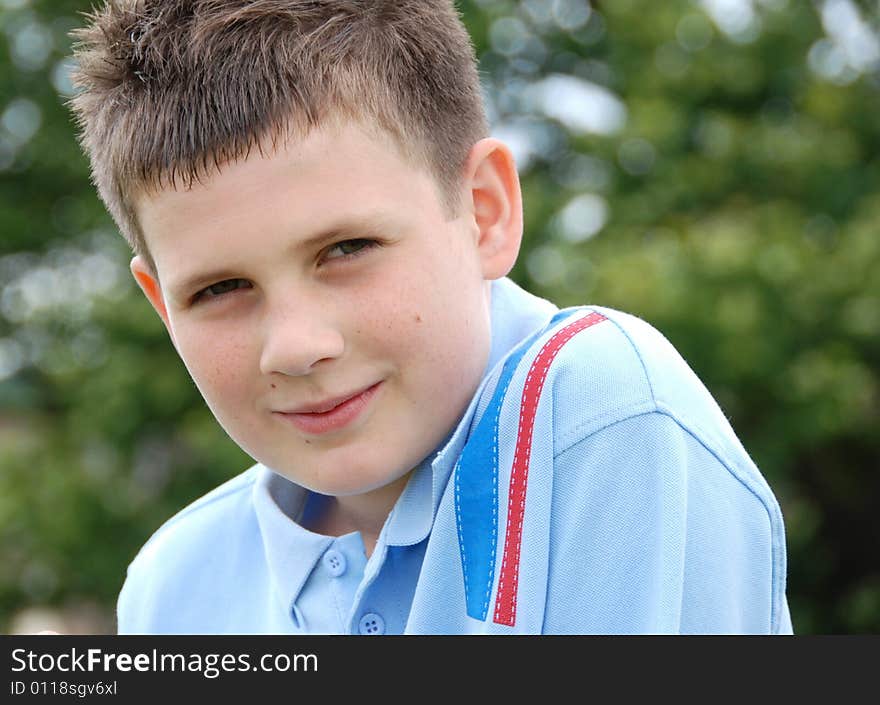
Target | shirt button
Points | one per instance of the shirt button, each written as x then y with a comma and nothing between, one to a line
334,561
371,623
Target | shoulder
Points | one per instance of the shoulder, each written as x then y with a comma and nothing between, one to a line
217,511
172,566
641,447
622,367
633,458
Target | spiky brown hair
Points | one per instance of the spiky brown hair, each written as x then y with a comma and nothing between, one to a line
169,90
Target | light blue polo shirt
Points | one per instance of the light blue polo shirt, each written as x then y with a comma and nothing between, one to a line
634,509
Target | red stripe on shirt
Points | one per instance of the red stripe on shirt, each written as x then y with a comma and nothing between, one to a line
505,599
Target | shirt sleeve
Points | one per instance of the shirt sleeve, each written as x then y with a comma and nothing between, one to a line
654,533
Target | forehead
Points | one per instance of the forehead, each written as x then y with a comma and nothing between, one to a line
335,172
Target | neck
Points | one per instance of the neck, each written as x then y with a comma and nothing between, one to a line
365,513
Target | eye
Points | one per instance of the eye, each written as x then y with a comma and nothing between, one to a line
221,288
349,248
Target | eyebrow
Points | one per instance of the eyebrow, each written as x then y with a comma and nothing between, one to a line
368,226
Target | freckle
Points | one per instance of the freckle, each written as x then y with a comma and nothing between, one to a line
274,387
308,442
418,318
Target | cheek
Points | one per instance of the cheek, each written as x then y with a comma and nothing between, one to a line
391,329
386,308
217,363
434,326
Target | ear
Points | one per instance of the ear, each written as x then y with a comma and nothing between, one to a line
494,191
149,284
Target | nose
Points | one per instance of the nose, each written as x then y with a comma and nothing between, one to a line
297,337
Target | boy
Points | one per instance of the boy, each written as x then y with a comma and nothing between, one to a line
437,450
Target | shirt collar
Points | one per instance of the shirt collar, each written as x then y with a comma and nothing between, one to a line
292,551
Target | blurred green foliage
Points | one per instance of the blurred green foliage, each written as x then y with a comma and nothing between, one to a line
711,167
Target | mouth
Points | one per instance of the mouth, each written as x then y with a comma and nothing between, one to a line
331,414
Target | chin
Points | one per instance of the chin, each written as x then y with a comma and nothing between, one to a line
343,480
357,484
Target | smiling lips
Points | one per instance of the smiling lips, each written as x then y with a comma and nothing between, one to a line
332,414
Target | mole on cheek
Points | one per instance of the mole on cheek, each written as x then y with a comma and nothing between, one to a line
418,318
273,386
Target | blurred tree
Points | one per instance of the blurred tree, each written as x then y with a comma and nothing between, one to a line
709,166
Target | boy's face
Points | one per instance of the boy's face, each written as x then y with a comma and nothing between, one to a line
334,321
